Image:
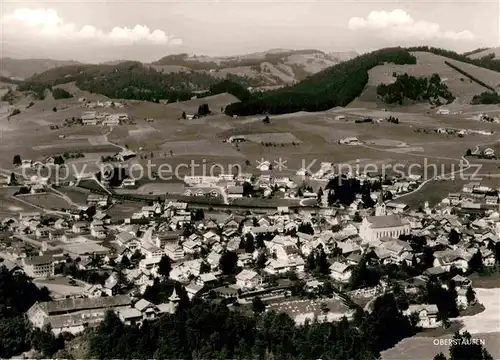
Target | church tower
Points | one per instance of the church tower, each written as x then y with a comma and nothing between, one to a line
380,207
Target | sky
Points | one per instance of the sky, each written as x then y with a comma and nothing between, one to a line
100,30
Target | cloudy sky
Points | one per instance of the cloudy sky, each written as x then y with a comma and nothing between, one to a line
95,31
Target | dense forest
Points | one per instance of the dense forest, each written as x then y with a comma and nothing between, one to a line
204,330
335,86
127,80
17,295
416,89
487,97
231,87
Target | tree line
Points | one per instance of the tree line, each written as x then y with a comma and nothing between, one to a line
128,80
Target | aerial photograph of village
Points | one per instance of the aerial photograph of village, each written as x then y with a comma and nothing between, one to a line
250,180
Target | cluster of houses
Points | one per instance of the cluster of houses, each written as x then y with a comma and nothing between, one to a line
95,118
266,245
474,197
101,104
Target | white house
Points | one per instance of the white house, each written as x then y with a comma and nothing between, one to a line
340,272
427,315
248,280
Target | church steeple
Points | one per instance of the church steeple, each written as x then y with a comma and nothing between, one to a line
174,297
380,208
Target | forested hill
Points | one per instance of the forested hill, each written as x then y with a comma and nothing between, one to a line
126,80
335,86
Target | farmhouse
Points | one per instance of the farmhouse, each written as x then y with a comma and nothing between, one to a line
237,138
443,112
97,200
111,120
349,141
89,118
427,315
74,315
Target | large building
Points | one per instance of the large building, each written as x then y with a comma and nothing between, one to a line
376,227
39,266
74,315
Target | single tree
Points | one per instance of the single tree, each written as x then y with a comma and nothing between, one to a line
17,160
228,262
164,266
258,305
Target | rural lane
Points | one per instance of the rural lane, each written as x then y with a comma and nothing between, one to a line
425,182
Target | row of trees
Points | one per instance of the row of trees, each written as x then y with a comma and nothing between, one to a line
487,97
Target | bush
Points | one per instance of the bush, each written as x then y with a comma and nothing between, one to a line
59,93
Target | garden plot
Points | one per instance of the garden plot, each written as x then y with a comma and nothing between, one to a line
274,138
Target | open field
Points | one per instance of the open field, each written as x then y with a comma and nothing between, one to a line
275,138
9,206
176,143
77,195
47,201
124,209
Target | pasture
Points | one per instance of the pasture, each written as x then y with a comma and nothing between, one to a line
196,147
47,201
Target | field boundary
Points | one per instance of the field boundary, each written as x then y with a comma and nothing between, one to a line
466,74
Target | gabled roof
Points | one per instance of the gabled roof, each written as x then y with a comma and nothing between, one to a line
65,305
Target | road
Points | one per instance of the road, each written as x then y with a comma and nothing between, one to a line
122,148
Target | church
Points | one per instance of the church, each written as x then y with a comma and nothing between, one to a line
382,225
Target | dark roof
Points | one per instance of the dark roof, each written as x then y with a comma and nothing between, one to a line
70,305
387,221
38,260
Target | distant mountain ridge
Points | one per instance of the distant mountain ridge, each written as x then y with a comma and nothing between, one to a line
272,67
267,68
21,69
